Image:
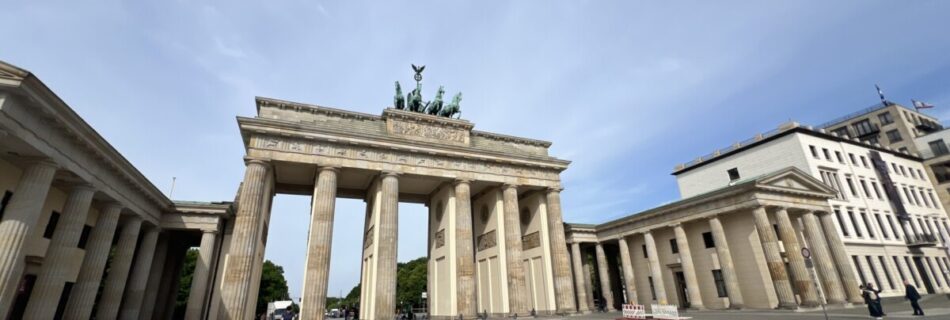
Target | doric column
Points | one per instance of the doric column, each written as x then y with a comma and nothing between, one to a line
317,267
84,292
138,280
155,277
239,270
517,290
563,287
579,279
199,279
773,259
725,264
830,280
604,273
385,303
628,277
655,272
802,281
56,265
689,271
19,218
464,250
588,281
114,287
840,258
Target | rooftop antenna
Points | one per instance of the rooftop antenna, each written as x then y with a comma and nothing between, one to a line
173,188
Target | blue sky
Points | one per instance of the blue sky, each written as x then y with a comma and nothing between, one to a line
625,90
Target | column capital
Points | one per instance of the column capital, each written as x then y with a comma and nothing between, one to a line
555,189
507,185
776,207
112,205
459,181
212,231
328,168
390,173
43,161
248,161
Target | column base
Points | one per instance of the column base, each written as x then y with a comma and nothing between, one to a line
736,307
810,304
787,306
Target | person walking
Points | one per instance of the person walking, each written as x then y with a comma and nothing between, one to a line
910,293
877,300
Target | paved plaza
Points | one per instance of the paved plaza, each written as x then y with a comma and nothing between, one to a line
936,307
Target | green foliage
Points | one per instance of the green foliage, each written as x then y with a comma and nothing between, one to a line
273,286
411,282
184,282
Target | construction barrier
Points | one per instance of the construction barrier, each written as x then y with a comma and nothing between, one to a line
665,311
634,311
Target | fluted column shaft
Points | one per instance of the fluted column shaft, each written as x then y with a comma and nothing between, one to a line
840,258
20,216
579,279
236,284
689,271
84,292
53,273
655,271
726,265
563,286
155,277
319,243
830,280
628,277
604,273
385,302
796,263
464,250
517,285
138,280
199,280
773,259
114,287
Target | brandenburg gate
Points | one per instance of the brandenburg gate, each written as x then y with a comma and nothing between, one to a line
496,236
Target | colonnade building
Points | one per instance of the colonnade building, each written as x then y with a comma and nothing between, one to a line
866,213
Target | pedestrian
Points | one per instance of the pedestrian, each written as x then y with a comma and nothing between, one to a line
869,298
910,293
877,300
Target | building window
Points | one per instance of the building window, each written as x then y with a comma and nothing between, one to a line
894,165
864,161
857,265
838,155
733,174
900,271
938,147
720,283
885,118
932,199
864,127
851,155
877,281
930,266
910,266
887,275
921,175
907,195
674,247
880,224
903,150
867,224
854,192
923,197
912,174
903,173
844,228
894,136
84,237
864,187
814,152
51,225
854,222
831,178
947,264
827,154
708,240
645,255
877,191
3,203
842,132
890,220
652,288
913,192
872,140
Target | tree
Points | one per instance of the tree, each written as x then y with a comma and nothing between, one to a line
273,285
411,281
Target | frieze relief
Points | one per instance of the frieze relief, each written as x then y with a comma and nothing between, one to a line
531,241
401,157
486,241
421,130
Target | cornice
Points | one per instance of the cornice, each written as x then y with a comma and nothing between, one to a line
306,131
